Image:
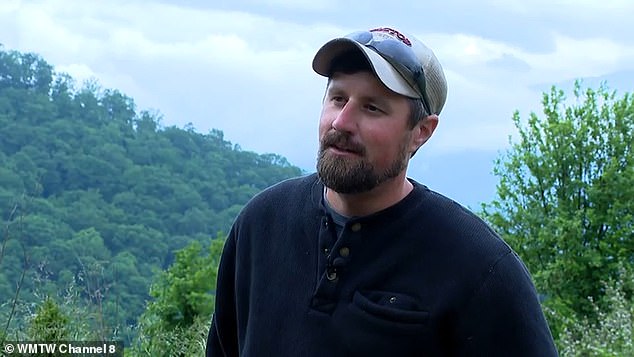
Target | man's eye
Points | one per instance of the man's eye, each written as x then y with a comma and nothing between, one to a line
337,99
372,108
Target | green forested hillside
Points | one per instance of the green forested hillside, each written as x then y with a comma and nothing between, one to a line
98,195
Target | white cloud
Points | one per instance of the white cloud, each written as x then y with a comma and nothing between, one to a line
570,58
253,45
249,75
465,50
9,6
574,58
484,92
305,5
579,8
78,71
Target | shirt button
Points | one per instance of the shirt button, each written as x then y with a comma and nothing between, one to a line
344,251
326,251
331,275
356,227
392,299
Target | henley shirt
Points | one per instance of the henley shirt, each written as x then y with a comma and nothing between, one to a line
424,277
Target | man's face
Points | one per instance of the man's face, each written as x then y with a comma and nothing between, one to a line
363,134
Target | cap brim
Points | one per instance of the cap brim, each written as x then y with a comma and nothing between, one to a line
390,77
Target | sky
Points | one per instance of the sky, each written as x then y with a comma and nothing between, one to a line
244,66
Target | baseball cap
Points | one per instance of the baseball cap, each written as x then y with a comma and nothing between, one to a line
403,63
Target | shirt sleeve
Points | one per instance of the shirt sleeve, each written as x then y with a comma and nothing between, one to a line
504,317
222,339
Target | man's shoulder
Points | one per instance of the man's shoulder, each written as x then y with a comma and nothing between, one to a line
452,220
288,188
472,247
444,209
285,194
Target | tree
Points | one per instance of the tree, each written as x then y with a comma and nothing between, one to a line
24,71
184,290
565,199
175,322
612,334
49,323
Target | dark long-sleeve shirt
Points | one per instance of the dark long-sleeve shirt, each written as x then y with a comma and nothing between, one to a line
424,277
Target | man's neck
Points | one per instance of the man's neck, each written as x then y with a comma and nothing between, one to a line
381,197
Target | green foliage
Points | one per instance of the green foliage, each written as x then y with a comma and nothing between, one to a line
64,316
176,321
611,334
49,323
101,195
184,290
179,341
565,200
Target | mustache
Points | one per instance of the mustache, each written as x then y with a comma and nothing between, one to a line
341,141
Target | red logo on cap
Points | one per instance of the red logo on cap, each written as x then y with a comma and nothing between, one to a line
394,33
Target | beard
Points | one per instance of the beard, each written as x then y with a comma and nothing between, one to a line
350,175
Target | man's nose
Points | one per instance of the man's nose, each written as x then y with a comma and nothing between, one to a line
346,119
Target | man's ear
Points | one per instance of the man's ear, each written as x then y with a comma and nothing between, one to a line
423,131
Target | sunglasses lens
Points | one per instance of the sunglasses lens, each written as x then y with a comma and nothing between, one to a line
400,56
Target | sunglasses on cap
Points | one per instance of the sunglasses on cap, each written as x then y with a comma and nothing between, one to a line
400,56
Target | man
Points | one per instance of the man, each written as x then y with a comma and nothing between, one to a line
359,260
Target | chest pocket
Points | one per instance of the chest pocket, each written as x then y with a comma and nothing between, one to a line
378,323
